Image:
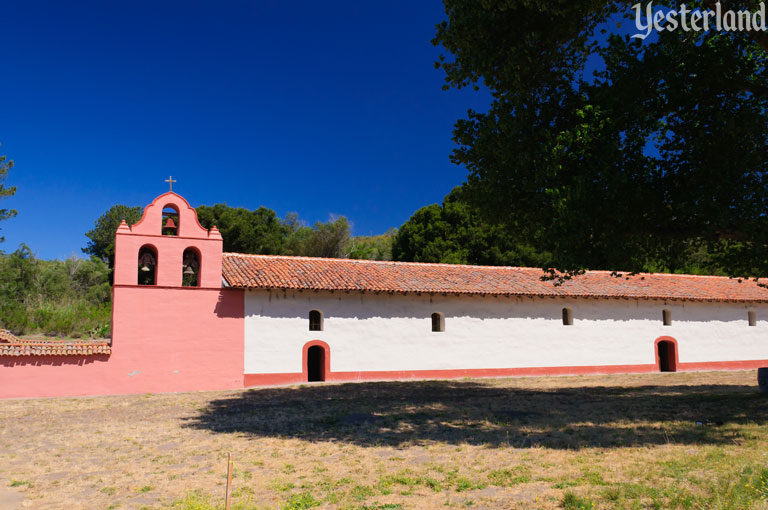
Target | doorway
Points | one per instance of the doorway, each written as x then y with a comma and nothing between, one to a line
315,363
666,355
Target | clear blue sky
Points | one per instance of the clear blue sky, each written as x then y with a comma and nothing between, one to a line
313,107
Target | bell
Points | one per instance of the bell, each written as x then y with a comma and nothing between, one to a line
169,223
145,261
188,270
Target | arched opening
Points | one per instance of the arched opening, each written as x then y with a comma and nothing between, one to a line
666,317
666,355
752,317
438,322
315,320
567,317
170,224
315,363
190,268
147,265
316,360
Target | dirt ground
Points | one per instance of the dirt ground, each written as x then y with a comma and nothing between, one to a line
685,440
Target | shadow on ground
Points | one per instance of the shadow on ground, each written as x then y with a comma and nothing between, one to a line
473,412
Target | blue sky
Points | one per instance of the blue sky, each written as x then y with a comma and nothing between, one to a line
313,107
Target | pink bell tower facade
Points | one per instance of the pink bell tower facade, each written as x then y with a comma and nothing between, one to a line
185,334
174,326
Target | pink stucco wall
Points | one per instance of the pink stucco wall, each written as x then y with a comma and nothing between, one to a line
164,340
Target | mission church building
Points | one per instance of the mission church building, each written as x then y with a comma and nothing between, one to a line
187,316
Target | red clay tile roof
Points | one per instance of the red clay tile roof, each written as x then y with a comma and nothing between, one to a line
10,345
7,337
309,273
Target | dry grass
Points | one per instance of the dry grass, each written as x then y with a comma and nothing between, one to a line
696,440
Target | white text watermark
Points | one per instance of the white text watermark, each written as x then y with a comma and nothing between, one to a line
648,19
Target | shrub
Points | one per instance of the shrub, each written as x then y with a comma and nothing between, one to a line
69,298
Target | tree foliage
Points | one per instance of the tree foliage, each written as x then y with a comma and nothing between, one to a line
330,239
54,297
455,233
5,192
655,158
373,247
101,237
246,231
261,231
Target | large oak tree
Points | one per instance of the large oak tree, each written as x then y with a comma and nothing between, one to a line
620,153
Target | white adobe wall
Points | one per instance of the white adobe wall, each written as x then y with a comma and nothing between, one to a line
369,332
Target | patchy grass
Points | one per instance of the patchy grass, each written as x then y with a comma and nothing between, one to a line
573,502
509,477
666,441
301,501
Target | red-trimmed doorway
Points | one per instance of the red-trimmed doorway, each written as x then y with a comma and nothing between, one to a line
316,361
666,354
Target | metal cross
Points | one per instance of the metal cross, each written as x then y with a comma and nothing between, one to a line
170,180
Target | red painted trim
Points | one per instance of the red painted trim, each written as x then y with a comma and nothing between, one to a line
675,363
288,378
488,372
295,378
326,359
724,365
272,379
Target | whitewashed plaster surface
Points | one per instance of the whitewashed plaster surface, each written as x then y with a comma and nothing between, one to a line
383,332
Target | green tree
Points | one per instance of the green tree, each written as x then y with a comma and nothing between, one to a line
646,163
5,192
245,231
62,298
298,233
373,247
101,237
330,239
455,233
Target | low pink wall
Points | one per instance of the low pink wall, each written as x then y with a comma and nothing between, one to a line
163,340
